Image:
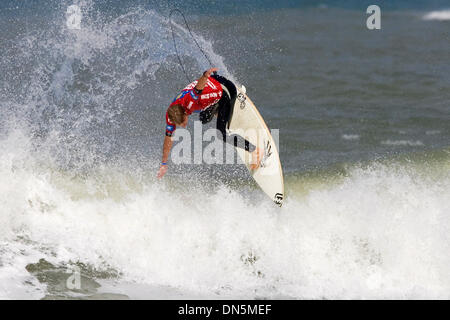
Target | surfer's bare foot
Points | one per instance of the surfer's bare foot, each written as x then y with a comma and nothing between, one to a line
256,159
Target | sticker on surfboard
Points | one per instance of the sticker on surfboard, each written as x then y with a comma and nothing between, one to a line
278,199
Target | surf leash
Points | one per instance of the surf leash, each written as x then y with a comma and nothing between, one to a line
193,38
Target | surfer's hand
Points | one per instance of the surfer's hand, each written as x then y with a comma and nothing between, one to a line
208,72
256,159
162,171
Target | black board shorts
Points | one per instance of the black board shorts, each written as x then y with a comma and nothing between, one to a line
225,113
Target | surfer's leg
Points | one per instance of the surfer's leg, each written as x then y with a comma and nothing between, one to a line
222,120
229,85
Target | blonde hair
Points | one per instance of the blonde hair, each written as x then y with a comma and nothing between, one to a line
176,114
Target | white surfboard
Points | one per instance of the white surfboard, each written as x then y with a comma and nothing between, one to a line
247,122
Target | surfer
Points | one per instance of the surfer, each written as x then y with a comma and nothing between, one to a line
211,95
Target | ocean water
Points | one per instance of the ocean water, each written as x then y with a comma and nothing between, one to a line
364,120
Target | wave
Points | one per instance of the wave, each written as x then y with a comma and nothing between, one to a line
350,136
441,15
409,143
378,231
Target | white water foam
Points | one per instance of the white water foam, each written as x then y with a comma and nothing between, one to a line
441,15
409,143
380,233
350,136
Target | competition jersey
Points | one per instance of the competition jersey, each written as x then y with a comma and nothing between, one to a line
193,100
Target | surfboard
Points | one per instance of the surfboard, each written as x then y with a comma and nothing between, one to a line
248,122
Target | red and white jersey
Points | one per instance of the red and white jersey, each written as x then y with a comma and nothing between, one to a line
192,101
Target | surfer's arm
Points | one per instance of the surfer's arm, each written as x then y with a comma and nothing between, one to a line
166,148
201,83
166,151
